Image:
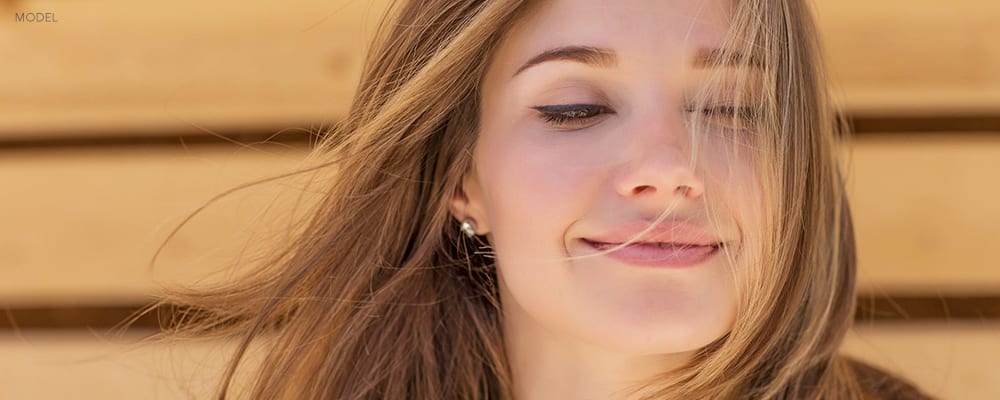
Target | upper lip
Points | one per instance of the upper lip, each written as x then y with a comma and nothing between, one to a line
677,233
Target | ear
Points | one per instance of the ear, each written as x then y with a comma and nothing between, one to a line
467,202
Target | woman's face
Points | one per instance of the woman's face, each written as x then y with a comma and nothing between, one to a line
592,142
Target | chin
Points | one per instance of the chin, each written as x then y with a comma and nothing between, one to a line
673,340
667,331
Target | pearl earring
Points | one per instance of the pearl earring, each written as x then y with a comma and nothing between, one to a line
469,227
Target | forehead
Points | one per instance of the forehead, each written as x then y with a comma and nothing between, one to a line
657,30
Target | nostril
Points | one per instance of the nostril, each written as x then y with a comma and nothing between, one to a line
643,188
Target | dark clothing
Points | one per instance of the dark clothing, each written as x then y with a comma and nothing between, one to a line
881,385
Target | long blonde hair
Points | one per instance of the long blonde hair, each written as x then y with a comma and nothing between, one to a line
379,295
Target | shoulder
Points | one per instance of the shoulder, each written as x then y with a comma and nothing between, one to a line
881,385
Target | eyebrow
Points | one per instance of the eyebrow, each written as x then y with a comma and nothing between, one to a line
601,57
709,58
589,55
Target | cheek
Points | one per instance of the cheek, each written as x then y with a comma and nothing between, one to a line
735,199
534,191
732,179
735,192
535,187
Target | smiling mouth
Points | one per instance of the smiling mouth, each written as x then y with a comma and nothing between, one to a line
659,254
659,245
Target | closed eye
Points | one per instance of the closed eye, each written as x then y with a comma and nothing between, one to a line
571,116
728,111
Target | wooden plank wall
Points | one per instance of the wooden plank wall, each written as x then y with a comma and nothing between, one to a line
121,118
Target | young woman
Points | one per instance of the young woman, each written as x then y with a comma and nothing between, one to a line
569,199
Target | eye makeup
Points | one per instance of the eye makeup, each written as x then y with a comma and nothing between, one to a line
571,116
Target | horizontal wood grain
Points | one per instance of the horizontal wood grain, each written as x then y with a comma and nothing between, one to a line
83,365
949,360
80,225
124,67
900,308
942,122
912,57
925,213
870,309
116,67
307,137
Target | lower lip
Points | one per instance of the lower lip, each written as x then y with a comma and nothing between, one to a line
653,256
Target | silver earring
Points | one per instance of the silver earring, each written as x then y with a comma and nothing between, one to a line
469,227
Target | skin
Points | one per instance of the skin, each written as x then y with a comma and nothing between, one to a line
586,328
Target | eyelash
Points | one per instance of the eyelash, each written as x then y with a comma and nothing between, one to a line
571,115
729,112
577,116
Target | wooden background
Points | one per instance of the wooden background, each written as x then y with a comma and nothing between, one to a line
123,117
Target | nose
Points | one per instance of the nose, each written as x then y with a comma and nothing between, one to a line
657,164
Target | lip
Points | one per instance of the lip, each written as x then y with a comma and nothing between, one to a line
678,233
687,244
645,255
